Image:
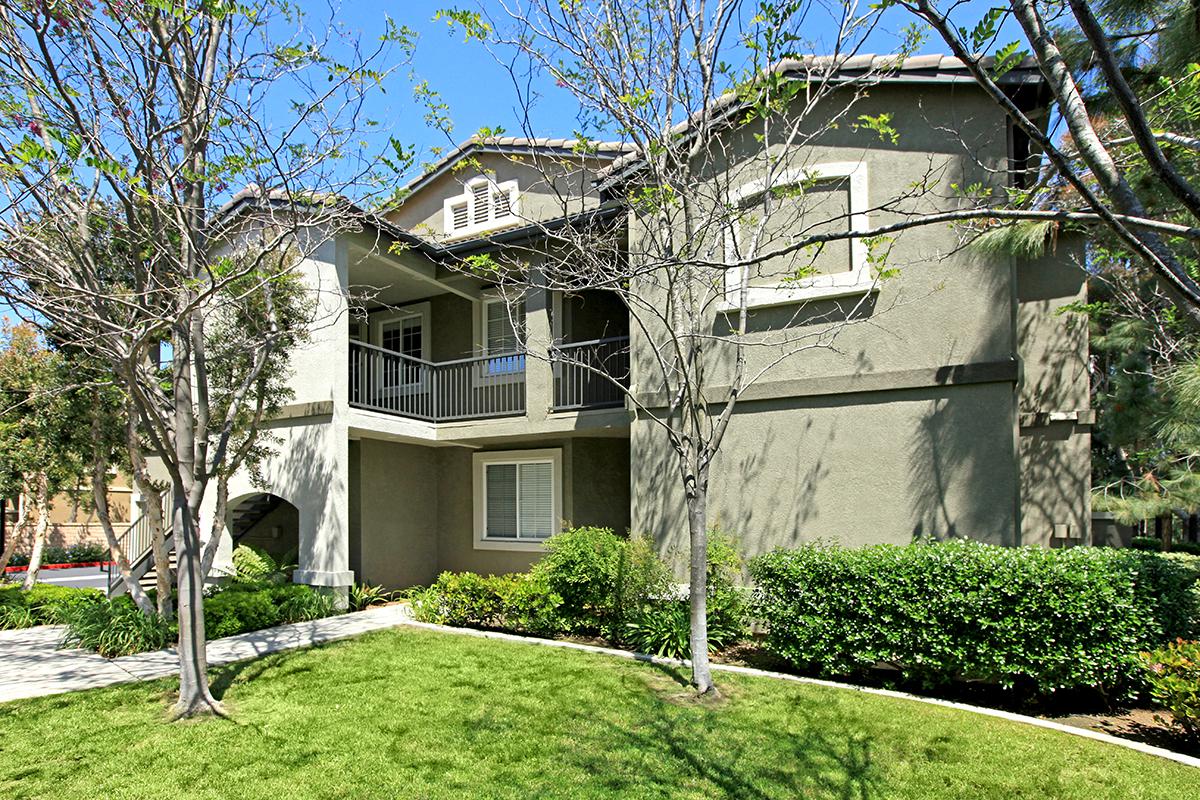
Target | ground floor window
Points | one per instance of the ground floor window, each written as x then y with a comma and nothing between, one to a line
518,498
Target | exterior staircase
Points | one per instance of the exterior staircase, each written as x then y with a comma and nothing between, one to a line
249,513
137,544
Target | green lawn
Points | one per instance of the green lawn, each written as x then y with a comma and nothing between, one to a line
410,713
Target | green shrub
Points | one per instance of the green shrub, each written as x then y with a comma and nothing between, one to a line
1187,548
1040,619
44,604
529,605
601,579
1173,675
256,566
14,616
364,595
665,630
664,627
115,628
300,603
74,554
50,604
592,582
465,599
232,612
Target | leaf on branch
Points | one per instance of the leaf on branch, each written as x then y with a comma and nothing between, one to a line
1022,239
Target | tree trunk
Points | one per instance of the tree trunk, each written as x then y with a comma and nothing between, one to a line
1193,528
14,536
697,508
42,507
194,695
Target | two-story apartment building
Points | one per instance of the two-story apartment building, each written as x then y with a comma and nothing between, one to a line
427,436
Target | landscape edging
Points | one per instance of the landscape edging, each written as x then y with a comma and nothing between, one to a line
72,565
1085,733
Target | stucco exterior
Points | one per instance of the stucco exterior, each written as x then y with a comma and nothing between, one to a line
954,404
951,402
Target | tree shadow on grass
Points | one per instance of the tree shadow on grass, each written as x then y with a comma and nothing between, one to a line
804,748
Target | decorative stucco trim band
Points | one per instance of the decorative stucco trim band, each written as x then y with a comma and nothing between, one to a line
1004,371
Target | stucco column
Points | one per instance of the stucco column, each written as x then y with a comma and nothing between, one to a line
539,379
322,497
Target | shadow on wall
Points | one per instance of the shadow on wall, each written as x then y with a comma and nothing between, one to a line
962,468
306,471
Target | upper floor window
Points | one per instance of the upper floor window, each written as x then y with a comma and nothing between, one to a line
827,198
484,204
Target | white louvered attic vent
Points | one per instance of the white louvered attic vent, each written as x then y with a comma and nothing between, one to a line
483,205
502,204
480,193
459,216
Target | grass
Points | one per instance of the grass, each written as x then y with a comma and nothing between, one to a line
408,713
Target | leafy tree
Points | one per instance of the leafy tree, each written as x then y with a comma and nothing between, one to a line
123,128
45,448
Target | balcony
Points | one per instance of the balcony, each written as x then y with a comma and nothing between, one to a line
591,374
468,388
586,375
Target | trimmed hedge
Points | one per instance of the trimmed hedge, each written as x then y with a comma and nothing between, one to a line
1037,619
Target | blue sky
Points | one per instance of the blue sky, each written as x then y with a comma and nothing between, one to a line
479,92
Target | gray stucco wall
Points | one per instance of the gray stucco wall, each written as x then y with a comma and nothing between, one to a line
398,495
1055,442
909,425
856,469
417,514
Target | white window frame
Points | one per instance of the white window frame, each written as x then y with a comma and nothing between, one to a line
480,462
468,196
856,281
482,376
421,310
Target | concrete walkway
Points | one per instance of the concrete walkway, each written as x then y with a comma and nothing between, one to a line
32,666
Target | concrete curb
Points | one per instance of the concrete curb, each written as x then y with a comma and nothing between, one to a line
1038,722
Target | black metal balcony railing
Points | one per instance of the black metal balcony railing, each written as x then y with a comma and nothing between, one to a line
469,388
591,374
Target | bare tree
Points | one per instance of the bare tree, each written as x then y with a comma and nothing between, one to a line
717,207
125,126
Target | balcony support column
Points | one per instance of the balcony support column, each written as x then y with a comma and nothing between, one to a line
539,378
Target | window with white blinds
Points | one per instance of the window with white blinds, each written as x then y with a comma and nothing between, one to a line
504,329
483,204
517,497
